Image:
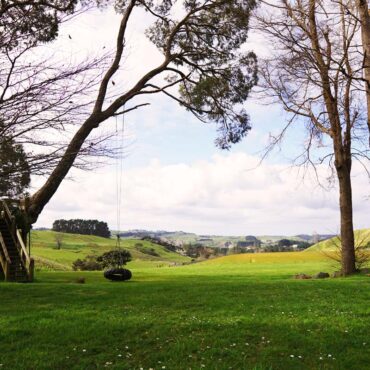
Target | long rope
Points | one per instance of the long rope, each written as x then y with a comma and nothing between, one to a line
119,175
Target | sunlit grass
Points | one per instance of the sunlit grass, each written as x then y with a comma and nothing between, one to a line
229,313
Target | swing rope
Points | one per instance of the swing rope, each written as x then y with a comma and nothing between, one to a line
119,176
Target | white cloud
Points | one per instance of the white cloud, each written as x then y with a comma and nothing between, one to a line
224,195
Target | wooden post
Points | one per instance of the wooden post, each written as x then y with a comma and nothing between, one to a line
32,269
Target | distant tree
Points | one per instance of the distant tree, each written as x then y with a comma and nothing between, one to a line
14,169
115,258
84,227
285,243
58,240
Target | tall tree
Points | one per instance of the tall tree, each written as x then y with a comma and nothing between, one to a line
202,54
316,74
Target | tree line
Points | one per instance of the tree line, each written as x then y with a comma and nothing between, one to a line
84,227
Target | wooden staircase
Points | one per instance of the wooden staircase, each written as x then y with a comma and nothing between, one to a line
15,263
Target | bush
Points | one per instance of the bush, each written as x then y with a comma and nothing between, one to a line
115,258
362,254
90,263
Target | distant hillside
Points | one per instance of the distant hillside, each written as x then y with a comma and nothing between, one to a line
215,241
361,236
74,246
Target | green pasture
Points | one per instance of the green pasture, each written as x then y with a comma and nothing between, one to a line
236,312
74,246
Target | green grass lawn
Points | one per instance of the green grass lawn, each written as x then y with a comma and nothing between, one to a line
232,313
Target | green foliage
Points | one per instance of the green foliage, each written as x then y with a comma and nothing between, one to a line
90,263
31,22
84,227
219,73
14,169
115,258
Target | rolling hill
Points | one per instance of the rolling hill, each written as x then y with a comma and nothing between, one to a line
74,246
361,237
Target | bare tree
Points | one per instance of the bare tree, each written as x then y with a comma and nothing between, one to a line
316,74
364,17
202,55
59,237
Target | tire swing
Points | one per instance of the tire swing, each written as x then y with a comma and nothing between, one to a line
119,273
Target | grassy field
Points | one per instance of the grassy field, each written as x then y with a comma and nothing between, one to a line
236,312
76,246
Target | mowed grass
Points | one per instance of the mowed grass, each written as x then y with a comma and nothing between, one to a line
76,246
237,312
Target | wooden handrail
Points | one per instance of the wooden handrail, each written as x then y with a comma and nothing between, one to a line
6,209
5,251
4,261
26,260
23,249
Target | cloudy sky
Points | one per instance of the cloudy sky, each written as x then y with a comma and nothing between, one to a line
174,178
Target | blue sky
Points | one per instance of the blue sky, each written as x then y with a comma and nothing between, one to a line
174,178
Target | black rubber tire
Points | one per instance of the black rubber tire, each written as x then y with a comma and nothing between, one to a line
118,274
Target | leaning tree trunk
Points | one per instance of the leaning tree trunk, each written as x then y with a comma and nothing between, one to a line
364,16
346,217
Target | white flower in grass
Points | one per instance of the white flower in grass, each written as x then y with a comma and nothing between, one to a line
84,350
320,358
291,356
329,355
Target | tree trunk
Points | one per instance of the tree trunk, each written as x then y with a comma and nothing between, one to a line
38,201
365,35
346,218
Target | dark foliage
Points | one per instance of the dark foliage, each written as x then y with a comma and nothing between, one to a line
14,169
115,258
89,263
85,227
38,20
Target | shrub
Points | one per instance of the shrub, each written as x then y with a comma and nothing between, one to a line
89,263
362,254
115,258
